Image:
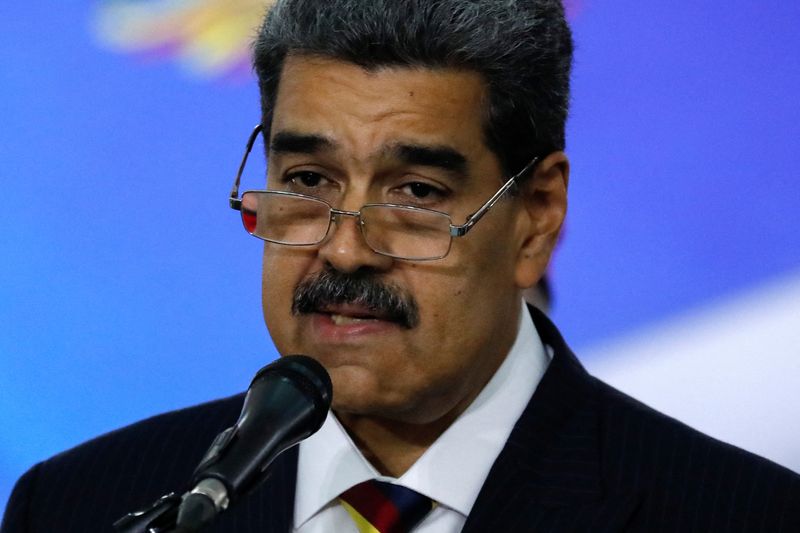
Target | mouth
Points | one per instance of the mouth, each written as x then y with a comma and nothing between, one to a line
348,324
342,320
342,315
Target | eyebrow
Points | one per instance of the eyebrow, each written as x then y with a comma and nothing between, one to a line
289,142
442,157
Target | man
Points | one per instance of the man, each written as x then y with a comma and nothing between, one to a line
416,186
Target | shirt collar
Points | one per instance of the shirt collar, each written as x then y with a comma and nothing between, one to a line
453,470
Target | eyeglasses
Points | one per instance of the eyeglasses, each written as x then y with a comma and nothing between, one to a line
403,232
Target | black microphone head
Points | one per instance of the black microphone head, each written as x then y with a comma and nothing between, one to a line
306,373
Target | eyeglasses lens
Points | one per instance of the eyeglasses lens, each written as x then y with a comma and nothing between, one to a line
285,219
406,232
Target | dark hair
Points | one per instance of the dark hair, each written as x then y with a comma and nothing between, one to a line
522,48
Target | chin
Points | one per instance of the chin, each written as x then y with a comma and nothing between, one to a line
361,406
350,399
352,391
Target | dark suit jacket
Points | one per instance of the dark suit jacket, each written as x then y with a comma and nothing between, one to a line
583,457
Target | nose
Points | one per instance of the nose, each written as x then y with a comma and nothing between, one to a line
345,248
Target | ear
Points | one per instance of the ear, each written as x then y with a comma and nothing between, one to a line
543,199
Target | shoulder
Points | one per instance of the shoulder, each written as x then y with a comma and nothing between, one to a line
703,481
117,472
679,478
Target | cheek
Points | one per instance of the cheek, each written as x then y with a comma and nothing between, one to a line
451,309
479,278
273,282
486,259
283,267
282,270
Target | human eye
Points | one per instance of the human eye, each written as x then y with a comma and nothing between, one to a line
419,192
304,179
307,182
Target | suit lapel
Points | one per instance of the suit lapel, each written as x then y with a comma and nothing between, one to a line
549,475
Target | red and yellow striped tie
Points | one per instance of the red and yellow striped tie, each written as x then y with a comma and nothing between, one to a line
380,507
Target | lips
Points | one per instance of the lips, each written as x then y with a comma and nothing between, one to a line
343,315
348,324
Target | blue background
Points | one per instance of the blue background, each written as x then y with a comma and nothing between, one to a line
127,286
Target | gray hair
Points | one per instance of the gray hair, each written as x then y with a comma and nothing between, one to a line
522,48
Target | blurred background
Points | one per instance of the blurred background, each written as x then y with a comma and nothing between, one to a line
128,287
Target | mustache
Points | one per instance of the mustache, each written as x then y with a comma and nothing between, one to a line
330,287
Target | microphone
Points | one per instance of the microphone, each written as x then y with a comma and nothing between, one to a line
286,402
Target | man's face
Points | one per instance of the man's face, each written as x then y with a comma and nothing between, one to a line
394,135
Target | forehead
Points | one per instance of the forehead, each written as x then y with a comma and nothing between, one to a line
364,110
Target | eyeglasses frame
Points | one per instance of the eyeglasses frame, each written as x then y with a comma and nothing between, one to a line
456,230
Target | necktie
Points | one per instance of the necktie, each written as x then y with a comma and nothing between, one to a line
380,507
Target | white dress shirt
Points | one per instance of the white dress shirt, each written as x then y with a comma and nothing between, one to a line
451,472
